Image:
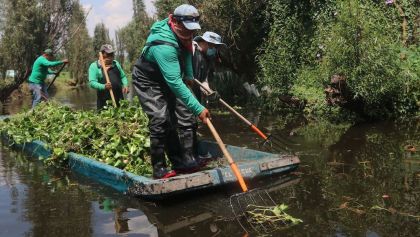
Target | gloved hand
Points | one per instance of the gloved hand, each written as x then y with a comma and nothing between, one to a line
213,96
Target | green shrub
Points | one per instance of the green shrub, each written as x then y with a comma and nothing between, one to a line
358,40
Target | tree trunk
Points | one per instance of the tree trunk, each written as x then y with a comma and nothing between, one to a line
8,90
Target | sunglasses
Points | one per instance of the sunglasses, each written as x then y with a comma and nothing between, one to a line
187,18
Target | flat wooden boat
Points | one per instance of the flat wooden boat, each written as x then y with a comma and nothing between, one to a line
252,164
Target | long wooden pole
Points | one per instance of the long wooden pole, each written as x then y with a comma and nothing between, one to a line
101,60
56,74
232,163
252,126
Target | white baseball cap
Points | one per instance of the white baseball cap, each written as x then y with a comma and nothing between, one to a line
210,37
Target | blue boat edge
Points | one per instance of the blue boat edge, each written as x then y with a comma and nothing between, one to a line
256,164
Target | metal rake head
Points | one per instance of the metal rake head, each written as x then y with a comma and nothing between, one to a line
276,144
244,205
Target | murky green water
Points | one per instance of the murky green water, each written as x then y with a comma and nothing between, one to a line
353,181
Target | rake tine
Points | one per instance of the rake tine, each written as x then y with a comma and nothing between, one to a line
273,146
281,147
237,217
280,139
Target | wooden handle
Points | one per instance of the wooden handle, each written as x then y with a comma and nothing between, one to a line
101,60
232,163
231,109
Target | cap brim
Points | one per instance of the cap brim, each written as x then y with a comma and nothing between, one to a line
212,41
192,25
217,43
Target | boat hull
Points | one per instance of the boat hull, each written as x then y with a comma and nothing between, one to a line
252,164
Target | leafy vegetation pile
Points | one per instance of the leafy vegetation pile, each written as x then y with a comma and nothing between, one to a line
117,137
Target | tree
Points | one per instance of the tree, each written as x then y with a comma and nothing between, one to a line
29,27
79,48
132,37
100,36
2,16
166,7
138,9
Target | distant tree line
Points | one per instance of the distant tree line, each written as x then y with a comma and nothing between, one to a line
326,58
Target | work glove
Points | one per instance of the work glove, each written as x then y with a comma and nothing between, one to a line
213,96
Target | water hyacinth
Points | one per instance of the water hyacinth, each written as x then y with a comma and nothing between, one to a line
117,137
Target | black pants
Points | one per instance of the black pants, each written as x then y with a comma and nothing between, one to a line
105,95
165,111
169,118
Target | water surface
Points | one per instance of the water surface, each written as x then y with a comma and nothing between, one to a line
353,181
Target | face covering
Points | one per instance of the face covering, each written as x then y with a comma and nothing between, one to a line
211,52
184,35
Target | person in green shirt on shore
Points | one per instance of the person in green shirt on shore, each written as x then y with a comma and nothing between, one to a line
158,77
118,80
40,71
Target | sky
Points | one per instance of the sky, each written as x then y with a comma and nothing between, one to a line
114,14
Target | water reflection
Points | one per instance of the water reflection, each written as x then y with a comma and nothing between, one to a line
347,174
206,213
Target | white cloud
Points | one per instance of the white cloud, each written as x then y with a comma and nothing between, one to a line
150,7
114,14
116,4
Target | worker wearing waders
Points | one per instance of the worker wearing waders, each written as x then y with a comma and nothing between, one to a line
39,73
171,107
205,55
118,80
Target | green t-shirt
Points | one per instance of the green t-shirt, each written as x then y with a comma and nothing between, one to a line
166,57
95,75
40,69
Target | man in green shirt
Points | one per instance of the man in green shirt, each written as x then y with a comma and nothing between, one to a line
39,73
118,80
158,81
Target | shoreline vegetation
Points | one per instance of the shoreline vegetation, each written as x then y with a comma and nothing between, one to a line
340,60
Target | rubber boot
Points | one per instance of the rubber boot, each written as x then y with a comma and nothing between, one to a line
157,153
173,149
202,159
189,163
